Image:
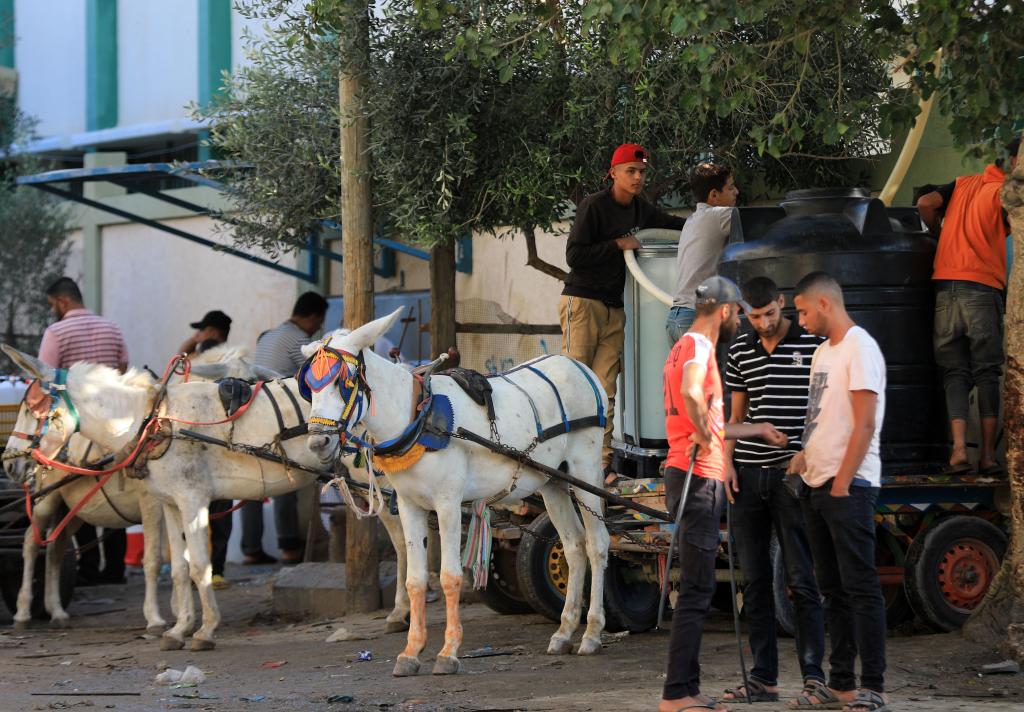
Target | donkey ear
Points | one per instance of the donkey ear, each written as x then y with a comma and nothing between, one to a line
210,371
30,364
367,334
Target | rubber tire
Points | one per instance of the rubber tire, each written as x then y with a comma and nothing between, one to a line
10,584
536,585
922,566
628,605
502,594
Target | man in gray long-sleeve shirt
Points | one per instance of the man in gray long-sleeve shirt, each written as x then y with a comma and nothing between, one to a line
280,349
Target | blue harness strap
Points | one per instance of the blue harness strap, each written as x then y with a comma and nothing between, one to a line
593,387
529,399
558,396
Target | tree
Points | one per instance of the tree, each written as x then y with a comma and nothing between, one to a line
33,238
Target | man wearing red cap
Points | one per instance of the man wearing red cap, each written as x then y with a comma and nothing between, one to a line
591,309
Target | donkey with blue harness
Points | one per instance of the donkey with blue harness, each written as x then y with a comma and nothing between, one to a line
552,409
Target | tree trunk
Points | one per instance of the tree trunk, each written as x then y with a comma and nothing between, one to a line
1000,617
442,298
361,557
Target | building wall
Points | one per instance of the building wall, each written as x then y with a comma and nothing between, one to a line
50,58
155,284
158,62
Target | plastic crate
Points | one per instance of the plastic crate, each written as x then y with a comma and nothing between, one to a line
8,418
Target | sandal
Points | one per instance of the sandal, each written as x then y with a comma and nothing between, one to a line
753,691
817,689
868,701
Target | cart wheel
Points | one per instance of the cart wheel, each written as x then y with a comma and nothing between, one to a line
502,593
10,583
950,566
541,567
630,598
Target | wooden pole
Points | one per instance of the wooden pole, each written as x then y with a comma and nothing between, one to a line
442,298
361,557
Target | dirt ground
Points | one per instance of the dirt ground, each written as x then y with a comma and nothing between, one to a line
105,653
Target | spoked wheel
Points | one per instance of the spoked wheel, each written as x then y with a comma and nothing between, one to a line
950,566
502,593
542,569
630,597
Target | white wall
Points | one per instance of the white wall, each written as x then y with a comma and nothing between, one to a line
158,59
75,267
49,54
155,284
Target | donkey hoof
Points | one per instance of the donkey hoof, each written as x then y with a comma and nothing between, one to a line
396,626
406,666
60,622
589,646
447,665
169,642
156,630
199,644
20,625
559,646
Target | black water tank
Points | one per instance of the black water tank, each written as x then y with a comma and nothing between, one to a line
884,263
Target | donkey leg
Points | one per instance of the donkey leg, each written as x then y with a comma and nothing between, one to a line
397,620
597,551
570,531
29,552
449,519
196,522
414,524
59,618
152,536
174,639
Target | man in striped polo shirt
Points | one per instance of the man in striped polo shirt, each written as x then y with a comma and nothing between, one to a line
77,336
768,372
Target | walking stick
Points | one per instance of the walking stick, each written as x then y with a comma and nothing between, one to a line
735,608
675,533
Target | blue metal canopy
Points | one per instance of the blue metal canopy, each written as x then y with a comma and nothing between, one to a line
145,178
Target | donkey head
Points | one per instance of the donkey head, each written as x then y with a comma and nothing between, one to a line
45,421
333,380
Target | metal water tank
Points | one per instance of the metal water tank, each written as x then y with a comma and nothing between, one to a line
883,260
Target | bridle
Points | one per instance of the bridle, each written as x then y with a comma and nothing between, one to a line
333,366
47,407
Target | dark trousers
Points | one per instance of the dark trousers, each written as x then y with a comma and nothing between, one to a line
697,543
841,531
220,533
115,544
762,504
969,345
286,522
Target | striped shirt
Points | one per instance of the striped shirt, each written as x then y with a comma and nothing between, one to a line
776,385
280,348
81,336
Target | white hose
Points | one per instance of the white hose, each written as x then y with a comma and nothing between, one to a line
638,274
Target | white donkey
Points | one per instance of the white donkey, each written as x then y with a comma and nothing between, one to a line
381,397
111,408
122,502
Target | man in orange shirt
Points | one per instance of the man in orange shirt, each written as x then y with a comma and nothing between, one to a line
970,275
694,416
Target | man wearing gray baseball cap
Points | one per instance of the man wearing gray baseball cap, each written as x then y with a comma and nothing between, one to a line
694,416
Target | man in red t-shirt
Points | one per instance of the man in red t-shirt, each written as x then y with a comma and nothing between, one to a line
694,417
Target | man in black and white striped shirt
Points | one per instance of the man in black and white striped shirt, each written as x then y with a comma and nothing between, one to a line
768,372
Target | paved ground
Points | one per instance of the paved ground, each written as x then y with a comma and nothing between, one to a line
105,653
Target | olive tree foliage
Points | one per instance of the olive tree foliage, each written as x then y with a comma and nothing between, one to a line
742,55
480,121
33,238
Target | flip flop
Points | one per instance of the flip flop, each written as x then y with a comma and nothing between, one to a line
962,469
813,688
992,470
758,692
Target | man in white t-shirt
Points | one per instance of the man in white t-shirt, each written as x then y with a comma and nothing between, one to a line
840,464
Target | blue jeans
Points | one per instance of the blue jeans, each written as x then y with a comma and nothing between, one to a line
697,543
679,321
763,503
841,531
